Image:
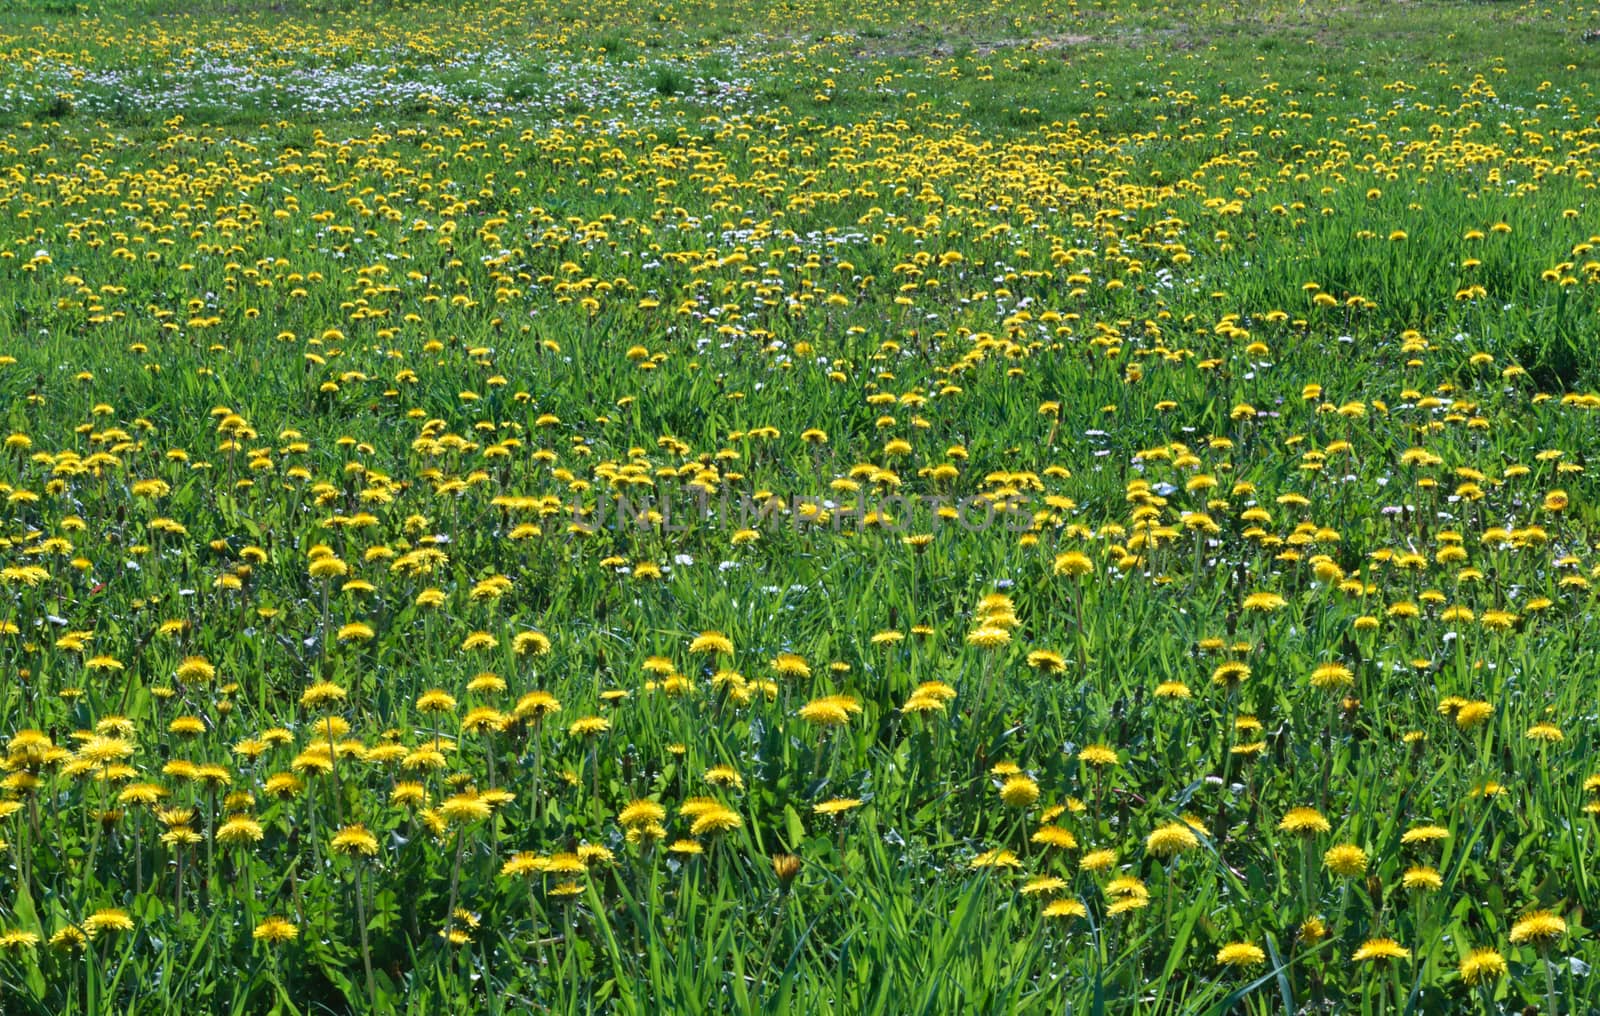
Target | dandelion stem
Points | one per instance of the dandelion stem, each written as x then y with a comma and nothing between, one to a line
537,790
983,687
211,837
1486,996
594,779
1305,879
777,932
138,853
366,948
455,884
338,788
1220,825
323,640
533,929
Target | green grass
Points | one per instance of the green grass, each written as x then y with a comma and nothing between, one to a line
1248,298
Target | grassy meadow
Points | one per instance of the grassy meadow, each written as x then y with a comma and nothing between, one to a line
913,507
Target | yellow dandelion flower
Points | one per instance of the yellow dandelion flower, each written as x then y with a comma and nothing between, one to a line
1346,859
1538,927
1481,966
275,931
1242,955
1380,950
